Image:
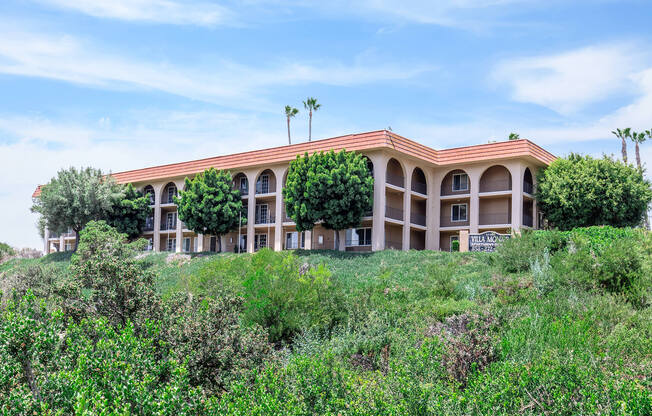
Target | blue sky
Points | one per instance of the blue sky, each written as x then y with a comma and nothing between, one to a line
125,84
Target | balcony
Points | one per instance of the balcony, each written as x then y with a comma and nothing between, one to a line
394,213
149,224
418,219
265,188
528,221
497,185
167,226
420,187
264,219
447,221
496,218
395,180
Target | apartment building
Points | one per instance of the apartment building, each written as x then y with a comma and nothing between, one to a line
423,198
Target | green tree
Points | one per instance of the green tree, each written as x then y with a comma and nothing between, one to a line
113,283
513,136
336,188
75,197
130,212
623,135
210,204
580,191
311,105
290,112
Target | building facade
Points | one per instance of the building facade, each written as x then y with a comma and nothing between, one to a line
423,198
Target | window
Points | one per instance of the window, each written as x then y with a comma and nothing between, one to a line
172,192
171,221
261,214
263,184
244,186
320,239
294,241
454,238
150,244
260,241
186,244
460,182
171,244
458,212
150,194
358,237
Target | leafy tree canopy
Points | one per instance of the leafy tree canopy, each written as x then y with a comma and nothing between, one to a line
210,204
130,212
336,188
75,197
580,191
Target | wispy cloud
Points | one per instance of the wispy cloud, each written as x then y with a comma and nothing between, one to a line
68,58
569,81
179,12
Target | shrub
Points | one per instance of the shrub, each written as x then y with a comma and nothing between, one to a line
207,335
114,284
5,251
517,253
286,297
455,245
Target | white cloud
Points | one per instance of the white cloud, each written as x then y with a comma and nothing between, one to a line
569,81
198,13
73,60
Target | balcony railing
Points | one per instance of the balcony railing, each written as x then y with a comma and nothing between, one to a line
54,235
497,218
447,221
394,213
495,185
527,220
265,189
418,219
396,245
168,226
528,188
396,180
265,219
420,187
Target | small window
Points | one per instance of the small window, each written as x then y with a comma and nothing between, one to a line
171,244
320,239
358,237
458,212
460,182
186,244
260,241
172,192
244,187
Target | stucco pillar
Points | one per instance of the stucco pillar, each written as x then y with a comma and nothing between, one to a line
62,243
517,171
407,207
251,212
157,218
474,206
200,243
535,215
179,235
378,227
46,241
308,240
434,210
278,224
464,240
342,240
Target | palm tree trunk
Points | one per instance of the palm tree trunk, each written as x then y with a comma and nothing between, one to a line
638,157
310,127
289,141
624,150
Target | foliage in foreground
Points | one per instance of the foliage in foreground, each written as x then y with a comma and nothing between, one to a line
580,191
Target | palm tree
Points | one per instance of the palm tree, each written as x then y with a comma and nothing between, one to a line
311,105
289,113
623,135
638,138
514,136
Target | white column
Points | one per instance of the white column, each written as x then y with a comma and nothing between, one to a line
46,242
308,240
251,212
62,243
517,196
179,234
342,239
157,218
474,205
434,210
278,224
200,243
407,207
378,227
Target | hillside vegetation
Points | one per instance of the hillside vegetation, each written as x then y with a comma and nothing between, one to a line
552,323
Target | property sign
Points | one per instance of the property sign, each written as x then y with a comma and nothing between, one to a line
486,241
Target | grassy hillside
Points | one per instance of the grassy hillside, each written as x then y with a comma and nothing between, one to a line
523,331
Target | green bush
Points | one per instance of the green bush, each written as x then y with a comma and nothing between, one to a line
5,251
286,297
455,245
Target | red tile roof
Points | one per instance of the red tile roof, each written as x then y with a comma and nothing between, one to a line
352,142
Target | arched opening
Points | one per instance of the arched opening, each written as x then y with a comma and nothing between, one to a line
266,182
395,174
419,182
149,192
496,178
370,166
241,183
456,182
528,183
169,192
